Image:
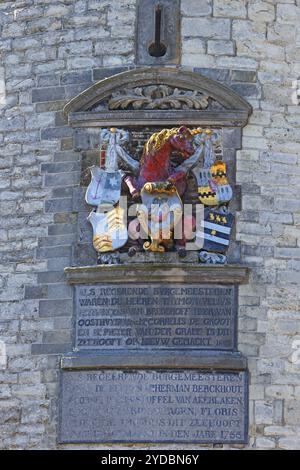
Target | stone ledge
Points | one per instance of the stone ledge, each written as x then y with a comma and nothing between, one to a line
228,118
156,359
158,272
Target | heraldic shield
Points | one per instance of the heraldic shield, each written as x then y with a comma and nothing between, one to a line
159,214
109,229
217,227
104,188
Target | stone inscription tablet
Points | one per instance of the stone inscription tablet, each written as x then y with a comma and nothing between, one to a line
153,406
163,316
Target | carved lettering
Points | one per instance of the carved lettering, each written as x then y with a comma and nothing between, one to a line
163,316
153,406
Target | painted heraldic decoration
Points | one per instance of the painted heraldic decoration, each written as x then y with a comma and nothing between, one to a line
158,97
157,185
157,153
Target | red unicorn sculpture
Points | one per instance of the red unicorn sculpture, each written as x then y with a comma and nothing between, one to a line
159,182
155,163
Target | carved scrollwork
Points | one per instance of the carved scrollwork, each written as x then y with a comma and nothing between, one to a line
157,97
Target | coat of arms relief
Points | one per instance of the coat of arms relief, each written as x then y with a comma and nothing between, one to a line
159,186
160,182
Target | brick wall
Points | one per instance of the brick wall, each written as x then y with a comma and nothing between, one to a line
51,50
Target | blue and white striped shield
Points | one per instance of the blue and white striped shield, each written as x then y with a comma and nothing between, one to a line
216,230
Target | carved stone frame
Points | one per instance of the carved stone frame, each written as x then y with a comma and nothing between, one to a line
231,116
235,110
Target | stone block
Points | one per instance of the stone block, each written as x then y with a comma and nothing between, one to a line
230,9
288,13
91,32
50,308
197,60
57,337
57,10
263,412
22,44
48,94
260,11
265,443
287,253
83,62
292,412
45,349
63,167
280,392
36,292
220,47
50,66
58,205
53,133
196,7
66,143
289,443
74,90
56,240
42,24
243,76
206,28
281,33
48,80
105,72
59,291
10,412
62,192
279,431
50,106
243,30
114,47
64,156
221,75
76,48
37,121
58,264
232,138
74,78
193,46
50,277
61,229
12,124
65,218
54,252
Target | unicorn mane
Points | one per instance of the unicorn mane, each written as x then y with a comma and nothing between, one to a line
157,140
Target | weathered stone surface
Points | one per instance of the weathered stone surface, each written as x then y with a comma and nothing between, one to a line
154,266
261,11
76,77
230,9
156,401
206,28
49,308
220,48
193,46
196,7
48,94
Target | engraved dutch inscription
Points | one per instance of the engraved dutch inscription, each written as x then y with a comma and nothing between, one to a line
153,406
162,316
